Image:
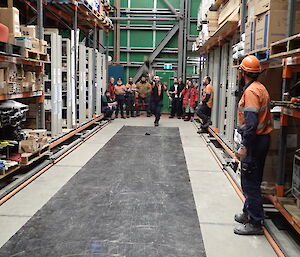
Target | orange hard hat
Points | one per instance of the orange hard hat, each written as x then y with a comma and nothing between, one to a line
251,64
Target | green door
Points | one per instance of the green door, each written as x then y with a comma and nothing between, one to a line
166,76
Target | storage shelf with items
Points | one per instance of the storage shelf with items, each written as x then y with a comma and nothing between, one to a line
41,68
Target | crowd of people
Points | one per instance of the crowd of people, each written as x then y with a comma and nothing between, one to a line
254,124
130,99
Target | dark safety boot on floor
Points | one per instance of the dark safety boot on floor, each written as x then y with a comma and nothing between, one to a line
148,115
201,130
207,124
171,117
248,229
242,218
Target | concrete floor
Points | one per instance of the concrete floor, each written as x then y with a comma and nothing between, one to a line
215,199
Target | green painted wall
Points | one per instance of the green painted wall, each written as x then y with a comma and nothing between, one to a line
148,38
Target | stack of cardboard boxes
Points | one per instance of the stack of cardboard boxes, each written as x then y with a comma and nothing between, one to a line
35,139
13,79
229,11
29,34
10,17
267,23
212,22
24,36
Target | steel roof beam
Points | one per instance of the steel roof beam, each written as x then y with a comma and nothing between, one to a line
157,51
172,9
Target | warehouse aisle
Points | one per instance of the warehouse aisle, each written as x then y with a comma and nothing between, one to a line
215,200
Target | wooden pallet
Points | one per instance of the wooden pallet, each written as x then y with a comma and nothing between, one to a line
98,15
10,170
10,49
287,47
36,56
292,209
28,158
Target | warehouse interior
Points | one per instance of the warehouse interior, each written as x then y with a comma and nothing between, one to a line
78,180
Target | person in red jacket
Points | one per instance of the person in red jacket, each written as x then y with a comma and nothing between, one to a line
190,101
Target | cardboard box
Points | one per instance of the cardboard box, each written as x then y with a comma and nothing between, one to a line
36,133
11,37
271,27
23,42
29,145
2,75
249,37
227,9
42,141
43,46
30,76
262,6
10,17
36,44
28,31
212,15
25,86
251,4
3,88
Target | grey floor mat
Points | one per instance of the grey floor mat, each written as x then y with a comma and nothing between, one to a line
133,199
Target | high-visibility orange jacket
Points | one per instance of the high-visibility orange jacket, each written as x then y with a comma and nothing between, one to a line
207,95
131,88
254,117
120,90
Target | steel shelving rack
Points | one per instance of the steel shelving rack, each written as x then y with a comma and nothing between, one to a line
79,19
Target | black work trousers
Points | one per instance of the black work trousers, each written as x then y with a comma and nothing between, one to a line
156,109
176,107
120,106
252,175
130,105
204,113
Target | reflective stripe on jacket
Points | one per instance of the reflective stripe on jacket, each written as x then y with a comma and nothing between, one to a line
256,100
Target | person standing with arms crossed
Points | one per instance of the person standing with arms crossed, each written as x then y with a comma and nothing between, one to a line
120,90
175,92
255,126
130,97
204,111
157,95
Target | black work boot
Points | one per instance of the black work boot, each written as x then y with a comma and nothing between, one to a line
249,229
201,130
207,124
242,217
